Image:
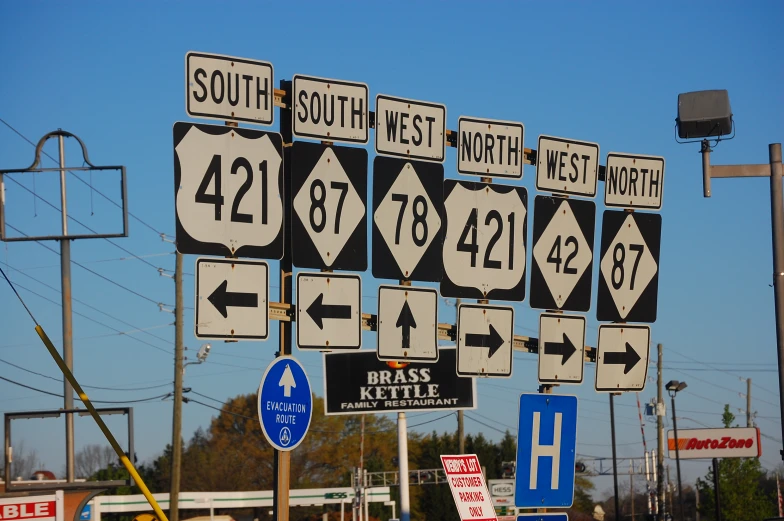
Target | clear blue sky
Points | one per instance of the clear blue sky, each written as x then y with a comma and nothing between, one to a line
610,73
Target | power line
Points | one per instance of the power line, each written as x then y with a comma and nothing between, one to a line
94,401
107,279
80,179
142,330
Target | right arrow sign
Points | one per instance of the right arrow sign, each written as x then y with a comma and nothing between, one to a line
561,341
484,340
622,357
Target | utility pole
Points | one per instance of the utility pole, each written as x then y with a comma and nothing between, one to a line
748,403
176,462
631,485
65,283
460,417
660,434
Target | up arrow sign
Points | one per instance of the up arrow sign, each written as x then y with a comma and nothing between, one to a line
287,381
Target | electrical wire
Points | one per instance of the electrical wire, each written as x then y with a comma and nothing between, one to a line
140,400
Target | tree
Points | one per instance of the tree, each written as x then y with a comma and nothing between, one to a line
92,458
23,462
741,496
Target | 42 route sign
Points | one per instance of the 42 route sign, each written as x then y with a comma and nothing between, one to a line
485,240
562,260
329,186
228,185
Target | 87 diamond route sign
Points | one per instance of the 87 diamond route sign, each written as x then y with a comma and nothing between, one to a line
629,267
561,268
408,201
228,185
485,240
329,184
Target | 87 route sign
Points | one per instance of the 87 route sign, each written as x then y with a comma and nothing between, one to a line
629,267
329,184
228,185
485,240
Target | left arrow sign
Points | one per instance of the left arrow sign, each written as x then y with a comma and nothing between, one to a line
318,311
493,340
222,299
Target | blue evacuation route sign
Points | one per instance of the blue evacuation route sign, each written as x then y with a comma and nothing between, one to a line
285,403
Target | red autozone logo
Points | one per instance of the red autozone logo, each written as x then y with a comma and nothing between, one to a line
725,442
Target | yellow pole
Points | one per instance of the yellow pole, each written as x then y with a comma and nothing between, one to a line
97,417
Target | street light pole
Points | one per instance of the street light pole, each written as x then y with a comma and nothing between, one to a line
677,454
777,221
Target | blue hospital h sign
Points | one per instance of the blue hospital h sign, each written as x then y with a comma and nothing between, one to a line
546,444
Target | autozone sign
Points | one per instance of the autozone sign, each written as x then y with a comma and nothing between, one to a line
39,508
738,442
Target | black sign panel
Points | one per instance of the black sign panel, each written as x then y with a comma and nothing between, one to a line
329,206
359,383
562,260
629,267
408,208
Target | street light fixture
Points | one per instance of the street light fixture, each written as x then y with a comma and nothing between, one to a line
201,356
674,387
706,114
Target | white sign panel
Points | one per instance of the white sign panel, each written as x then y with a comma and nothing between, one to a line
468,487
490,148
407,324
736,442
410,128
49,507
484,340
567,166
231,299
622,357
331,110
634,181
328,311
502,491
228,88
561,341
228,185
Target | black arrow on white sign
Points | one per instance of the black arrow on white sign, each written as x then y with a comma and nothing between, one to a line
565,348
492,340
406,321
629,358
223,299
318,311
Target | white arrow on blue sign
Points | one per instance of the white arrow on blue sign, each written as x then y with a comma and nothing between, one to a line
285,403
546,444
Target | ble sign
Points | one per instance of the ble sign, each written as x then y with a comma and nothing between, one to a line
228,88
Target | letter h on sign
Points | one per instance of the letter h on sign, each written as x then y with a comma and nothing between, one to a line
546,444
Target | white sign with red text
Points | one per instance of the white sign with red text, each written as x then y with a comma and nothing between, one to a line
38,508
468,487
737,442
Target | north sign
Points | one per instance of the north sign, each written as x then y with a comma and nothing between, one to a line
359,383
485,240
561,341
228,185
562,260
629,267
330,110
229,88
232,299
567,166
407,324
634,181
285,403
484,340
329,315
490,148
411,129
408,202
622,357
329,186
